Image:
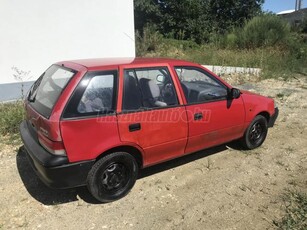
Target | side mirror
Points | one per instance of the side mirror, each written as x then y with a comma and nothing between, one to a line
234,93
160,78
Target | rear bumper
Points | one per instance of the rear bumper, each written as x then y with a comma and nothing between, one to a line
54,171
273,118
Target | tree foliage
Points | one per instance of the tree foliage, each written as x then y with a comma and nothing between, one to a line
194,19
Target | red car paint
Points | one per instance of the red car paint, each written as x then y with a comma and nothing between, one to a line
165,133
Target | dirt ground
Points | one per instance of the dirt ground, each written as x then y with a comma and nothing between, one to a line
220,188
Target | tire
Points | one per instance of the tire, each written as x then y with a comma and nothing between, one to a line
112,177
256,133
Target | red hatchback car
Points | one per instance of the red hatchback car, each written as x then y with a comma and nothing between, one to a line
97,122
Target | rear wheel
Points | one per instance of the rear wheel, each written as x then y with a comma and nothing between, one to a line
112,177
256,133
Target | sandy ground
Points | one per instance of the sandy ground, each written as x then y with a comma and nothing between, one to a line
220,188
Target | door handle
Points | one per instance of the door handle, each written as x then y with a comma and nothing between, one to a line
198,116
134,127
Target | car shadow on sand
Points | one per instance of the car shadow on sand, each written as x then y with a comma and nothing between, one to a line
39,191
47,196
180,161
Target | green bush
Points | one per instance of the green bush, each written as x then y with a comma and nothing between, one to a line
148,41
183,44
263,31
11,115
297,45
232,40
303,26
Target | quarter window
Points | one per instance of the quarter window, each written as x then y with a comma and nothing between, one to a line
95,95
98,95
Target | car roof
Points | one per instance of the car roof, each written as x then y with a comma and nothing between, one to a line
104,62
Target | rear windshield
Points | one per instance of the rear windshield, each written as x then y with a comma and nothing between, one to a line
46,90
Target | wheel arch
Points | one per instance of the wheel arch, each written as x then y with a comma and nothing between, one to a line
265,114
132,150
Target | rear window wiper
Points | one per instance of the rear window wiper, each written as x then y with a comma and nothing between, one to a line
34,88
31,98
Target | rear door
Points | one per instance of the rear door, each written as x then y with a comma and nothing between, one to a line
151,115
213,117
89,123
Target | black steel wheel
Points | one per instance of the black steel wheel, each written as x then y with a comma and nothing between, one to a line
256,133
112,177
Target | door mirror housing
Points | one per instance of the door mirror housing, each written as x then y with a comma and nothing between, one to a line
234,93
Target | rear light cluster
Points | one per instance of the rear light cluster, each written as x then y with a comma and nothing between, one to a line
53,147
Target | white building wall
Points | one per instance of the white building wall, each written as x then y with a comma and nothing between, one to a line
36,33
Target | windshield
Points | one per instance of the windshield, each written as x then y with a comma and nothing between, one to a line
46,90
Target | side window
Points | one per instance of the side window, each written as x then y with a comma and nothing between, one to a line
148,88
199,86
95,94
98,95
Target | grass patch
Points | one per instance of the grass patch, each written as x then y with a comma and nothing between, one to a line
274,61
295,211
11,115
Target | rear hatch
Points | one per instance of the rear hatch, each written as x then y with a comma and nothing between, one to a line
39,106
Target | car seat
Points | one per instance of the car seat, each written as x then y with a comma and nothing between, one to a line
151,93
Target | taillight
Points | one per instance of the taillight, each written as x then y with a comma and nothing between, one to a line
53,147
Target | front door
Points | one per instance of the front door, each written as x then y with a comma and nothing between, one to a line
151,116
213,117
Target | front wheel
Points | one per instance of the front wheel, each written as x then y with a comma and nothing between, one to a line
256,133
112,177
